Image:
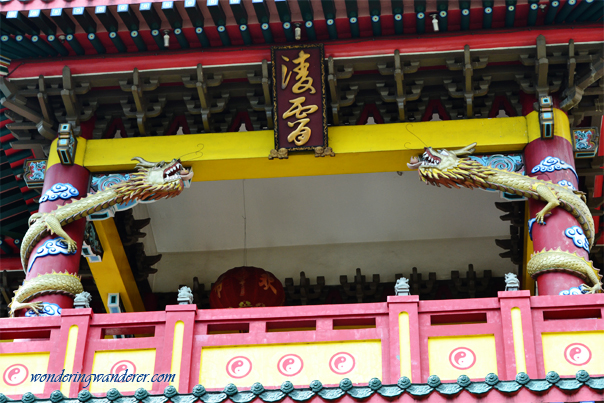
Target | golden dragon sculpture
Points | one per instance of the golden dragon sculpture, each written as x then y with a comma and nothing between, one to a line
444,167
152,181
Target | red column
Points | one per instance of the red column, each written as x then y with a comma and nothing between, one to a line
76,177
540,156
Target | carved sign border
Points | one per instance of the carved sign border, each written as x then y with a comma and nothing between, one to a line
323,95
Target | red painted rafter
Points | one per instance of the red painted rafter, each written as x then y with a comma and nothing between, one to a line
429,43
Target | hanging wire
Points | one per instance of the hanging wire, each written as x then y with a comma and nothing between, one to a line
244,226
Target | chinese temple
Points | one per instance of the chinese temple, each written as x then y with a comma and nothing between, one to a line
225,201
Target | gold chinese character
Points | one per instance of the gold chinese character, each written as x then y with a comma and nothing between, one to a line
303,82
284,76
299,110
301,135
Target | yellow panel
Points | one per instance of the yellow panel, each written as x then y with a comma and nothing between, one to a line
72,343
359,149
298,363
405,344
179,332
518,336
567,353
474,356
16,372
141,362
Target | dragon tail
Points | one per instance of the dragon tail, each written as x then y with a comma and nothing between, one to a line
559,260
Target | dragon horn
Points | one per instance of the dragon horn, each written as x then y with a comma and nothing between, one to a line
143,163
466,150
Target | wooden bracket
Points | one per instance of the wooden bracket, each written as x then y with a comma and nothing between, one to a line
305,292
74,111
539,84
349,96
401,97
360,287
142,108
471,284
201,84
266,105
18,104
469,92
573,95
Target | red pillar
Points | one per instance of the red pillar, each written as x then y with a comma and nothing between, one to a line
539,156
71,176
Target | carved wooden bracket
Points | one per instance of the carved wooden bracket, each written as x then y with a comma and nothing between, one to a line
471,284
201,84
75,112
17,103
360,288
305,292
573,95
336,98
469,91
142,108
266,105
539,84
281,153
401,97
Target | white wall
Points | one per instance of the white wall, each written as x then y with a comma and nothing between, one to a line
324,225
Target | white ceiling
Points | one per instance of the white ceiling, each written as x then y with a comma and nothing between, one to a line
379,207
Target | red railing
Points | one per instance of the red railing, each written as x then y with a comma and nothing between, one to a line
445,337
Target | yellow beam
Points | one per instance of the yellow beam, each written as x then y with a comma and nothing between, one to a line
359,149
113,274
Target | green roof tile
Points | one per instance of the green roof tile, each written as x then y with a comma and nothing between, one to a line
404,385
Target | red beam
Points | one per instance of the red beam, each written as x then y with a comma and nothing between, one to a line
429,43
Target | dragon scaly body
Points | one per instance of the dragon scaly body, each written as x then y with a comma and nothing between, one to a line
152,181
443,167
50,283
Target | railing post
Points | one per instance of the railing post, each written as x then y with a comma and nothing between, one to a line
177,352
70,352
404,338
518,335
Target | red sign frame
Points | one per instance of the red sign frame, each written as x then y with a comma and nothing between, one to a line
299,97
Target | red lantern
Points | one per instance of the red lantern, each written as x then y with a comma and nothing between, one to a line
246,286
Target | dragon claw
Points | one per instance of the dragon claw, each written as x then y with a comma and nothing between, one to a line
71,245
591,290
34,306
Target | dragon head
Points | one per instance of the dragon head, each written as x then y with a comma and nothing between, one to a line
441,159
154,180
444,167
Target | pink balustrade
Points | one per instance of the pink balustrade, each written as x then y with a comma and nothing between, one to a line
444,337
